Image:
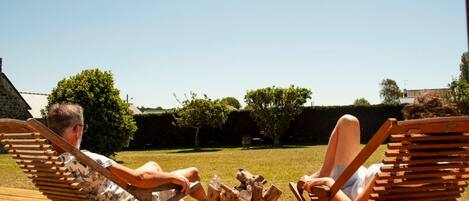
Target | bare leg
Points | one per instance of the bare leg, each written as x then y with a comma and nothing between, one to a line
192,174
150,167
343,145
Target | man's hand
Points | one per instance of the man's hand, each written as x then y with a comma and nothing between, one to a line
321,181
183,182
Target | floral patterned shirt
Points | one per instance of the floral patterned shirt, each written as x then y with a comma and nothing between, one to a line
98,187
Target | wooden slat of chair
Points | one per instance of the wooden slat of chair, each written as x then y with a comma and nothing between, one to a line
32,152
396,153
423,137
423,175
30,148
433,160
431,187
442,198
64,198
61,193
27,135
425,194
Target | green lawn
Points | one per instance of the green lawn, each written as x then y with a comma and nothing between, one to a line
278,166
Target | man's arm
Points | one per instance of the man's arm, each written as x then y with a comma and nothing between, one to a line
142,179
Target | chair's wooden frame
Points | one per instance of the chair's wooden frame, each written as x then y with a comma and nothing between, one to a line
32,145
448,181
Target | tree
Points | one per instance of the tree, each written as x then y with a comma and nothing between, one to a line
274,108
459,89
464,67
231,101
390,92
361,102
459,94
110,122
197,113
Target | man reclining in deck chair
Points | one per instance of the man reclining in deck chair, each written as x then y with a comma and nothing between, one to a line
344,145
67,121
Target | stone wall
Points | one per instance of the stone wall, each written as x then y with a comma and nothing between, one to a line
11,103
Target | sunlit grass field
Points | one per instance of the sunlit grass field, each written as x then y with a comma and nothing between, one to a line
277,165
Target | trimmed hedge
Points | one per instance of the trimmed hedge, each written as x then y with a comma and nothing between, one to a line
315,124
312,126
158,130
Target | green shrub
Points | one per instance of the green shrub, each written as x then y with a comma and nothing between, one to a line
361,102
201,112
459,94
231,101
110,121
274,108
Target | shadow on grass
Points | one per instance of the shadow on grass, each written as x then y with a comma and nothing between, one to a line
195,151
276,147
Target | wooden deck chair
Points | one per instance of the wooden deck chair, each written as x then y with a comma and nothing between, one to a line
32,146
426,159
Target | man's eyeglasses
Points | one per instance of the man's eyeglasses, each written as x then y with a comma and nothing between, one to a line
85,127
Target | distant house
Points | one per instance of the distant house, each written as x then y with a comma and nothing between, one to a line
12,103
410,95
36,101
157,111
134,109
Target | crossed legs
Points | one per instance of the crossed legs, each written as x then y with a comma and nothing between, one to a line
192,174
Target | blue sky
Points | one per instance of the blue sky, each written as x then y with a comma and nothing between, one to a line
341,50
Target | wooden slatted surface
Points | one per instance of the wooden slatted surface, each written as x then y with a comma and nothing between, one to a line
15,194
37,158
424,166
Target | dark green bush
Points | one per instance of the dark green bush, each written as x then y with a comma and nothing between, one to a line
110,121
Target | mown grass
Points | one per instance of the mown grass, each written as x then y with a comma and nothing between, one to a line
277,165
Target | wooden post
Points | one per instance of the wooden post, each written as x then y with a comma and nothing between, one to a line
245,195
257,192
213,194
228,193
245,177
272,194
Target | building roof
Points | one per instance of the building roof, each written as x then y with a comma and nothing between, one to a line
36,101
5,77
134,109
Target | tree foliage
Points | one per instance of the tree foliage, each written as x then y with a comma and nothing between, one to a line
459,89
459,94
200,112
390,92
111,125
464,67
361,102
274,108
231,101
